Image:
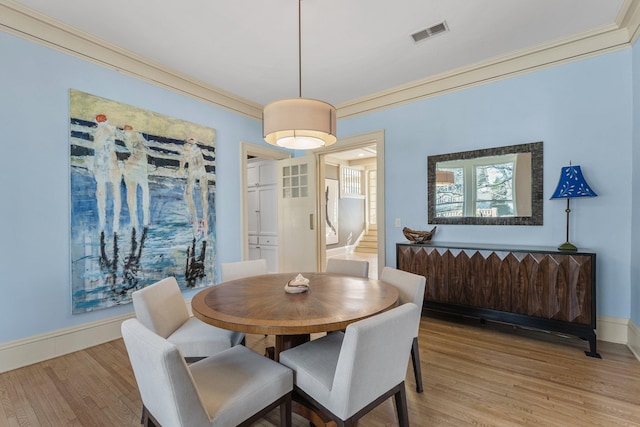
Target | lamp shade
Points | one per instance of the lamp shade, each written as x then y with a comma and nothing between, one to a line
299,123
572,184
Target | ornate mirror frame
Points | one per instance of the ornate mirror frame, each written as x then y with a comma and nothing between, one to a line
536,150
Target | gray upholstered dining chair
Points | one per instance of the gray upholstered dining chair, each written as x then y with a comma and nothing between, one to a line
345,375
234,387
351,267
411,289
161,308
240,269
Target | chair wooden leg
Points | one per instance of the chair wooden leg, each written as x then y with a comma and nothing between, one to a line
270,352
401,407
285,412
415,359
147,419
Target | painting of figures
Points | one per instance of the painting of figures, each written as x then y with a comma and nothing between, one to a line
142,201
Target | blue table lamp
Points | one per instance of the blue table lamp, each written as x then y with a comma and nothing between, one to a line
571,185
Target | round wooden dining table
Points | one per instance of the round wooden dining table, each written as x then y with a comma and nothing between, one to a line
260,305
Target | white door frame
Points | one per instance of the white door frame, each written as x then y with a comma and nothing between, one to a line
248,149
349,143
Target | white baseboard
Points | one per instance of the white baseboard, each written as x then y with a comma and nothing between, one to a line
348,249
27,351
633,342
612,329
342,250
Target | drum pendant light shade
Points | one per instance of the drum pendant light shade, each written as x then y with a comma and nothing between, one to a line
299,123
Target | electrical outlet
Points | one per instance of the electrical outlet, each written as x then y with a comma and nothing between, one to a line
398,223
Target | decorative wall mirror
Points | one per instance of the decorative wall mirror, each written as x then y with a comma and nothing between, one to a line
494,186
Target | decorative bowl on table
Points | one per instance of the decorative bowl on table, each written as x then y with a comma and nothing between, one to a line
297,285
416,236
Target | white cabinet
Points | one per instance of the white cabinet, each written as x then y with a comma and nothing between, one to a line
262,172
262,212
253,212
269,253
254,252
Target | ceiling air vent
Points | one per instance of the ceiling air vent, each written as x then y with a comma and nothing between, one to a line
430,32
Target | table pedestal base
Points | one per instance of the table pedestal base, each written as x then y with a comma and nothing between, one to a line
285,342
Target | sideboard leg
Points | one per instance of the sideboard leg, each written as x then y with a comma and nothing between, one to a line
592,347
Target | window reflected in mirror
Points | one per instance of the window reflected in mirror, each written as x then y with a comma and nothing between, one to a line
499,186
493,186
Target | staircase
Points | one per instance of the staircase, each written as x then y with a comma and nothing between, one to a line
369,242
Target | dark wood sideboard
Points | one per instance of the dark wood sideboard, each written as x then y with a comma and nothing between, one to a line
536,287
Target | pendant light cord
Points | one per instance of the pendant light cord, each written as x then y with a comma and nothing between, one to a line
299,52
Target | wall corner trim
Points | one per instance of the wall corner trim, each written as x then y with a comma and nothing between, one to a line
633,341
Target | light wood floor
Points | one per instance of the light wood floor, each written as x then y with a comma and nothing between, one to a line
474,375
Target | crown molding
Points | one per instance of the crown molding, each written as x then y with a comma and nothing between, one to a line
26,23
620,35
630,18
603,40
29,24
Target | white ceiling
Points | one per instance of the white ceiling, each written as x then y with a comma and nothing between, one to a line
350,48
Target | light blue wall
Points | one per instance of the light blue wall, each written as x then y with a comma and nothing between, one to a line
34,177
582,112
635,234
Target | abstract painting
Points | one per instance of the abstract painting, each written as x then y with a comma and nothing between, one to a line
142,201
331,212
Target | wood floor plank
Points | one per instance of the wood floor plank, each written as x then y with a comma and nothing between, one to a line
7,410
50,408
24,414
474,374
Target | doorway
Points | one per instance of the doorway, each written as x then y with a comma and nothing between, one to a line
360,172
376,139
350,205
